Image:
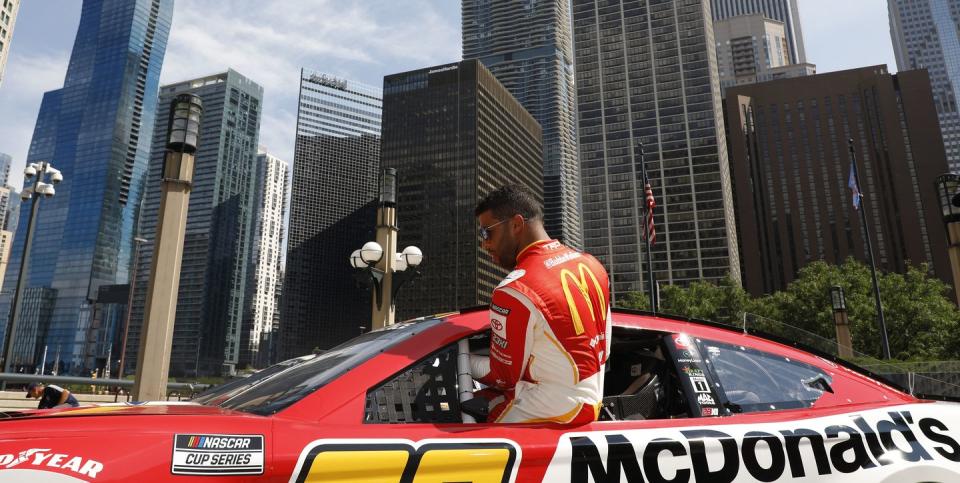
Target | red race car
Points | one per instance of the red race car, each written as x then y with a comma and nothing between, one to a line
685,402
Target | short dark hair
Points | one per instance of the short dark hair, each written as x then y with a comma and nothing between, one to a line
510,200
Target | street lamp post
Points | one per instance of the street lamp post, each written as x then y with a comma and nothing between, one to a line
379,263
839,303
153,356
948,193
39,188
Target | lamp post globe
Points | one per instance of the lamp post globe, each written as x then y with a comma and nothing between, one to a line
413,256
371,252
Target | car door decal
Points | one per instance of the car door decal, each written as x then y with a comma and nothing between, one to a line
912,440
479,461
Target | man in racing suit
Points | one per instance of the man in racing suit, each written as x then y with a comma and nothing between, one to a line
549,318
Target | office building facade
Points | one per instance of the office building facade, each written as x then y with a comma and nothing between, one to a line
784,11
529,48
94,130
332,212
270,206
454,133
647,73
219,226
791,168
8,18
753,48
925,36
5,161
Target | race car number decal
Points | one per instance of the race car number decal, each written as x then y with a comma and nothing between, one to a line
478,461
916,441
217,454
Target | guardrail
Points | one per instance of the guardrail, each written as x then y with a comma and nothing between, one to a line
186,387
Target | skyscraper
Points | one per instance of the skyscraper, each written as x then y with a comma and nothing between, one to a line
94,131
8,18
785,11
216,248
269,207
528,47
5,161
925,36
454,133
332,212
790,165
753,48
647,72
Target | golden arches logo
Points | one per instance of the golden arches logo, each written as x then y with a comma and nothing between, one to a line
580,282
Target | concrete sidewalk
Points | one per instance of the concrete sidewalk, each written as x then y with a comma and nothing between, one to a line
17,400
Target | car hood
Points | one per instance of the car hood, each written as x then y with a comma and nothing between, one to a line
153,408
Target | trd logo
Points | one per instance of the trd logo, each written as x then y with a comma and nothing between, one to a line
398,460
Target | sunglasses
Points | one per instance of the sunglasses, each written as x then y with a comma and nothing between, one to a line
485,230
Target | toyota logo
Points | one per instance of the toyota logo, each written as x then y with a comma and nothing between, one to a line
496,324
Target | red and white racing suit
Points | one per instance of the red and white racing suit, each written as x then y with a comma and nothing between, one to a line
550,337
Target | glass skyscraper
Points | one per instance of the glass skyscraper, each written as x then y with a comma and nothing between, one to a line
785,11
332,212
528,47
454,133
647,72
925,36
95,130
216,248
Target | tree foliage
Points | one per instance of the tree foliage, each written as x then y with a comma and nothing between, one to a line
922,322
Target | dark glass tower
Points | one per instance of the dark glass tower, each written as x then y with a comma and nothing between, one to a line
647,72
454,133
96,131
528,47
332,212
219,231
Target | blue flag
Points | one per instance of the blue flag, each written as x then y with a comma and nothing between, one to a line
854,187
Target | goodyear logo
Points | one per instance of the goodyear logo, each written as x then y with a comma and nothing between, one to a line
478,461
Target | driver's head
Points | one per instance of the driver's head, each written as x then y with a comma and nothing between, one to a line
510,218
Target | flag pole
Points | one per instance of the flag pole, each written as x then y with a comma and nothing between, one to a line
873,267
651,287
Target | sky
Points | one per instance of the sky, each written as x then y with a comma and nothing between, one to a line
361,40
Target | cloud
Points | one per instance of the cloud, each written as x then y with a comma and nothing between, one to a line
269,42
27,77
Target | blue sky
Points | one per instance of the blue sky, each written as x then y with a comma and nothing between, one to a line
363,40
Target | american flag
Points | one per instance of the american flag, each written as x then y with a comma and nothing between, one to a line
651,233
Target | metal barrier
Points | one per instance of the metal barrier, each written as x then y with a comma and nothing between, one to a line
173,388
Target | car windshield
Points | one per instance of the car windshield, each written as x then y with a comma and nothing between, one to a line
216,395
286,386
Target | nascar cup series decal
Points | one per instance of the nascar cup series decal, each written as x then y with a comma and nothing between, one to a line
901,444
475,460
217,454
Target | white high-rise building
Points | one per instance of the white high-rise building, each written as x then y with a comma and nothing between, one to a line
8,17
270,206
785,11
754,48
925,36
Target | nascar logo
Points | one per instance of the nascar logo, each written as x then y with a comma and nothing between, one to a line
217,454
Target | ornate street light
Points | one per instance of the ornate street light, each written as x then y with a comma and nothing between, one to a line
40,189
378,264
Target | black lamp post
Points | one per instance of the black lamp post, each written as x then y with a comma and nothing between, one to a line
40,189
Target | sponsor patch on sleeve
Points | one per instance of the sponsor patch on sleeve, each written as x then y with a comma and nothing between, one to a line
217,454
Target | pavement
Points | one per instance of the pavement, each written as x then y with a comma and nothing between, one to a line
17,400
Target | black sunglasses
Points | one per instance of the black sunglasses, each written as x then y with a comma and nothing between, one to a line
485,230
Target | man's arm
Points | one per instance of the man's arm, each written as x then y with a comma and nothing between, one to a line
512,324
64,394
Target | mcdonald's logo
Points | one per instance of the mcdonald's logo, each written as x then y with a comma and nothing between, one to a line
580,282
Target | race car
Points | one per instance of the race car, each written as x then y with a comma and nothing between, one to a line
685,401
